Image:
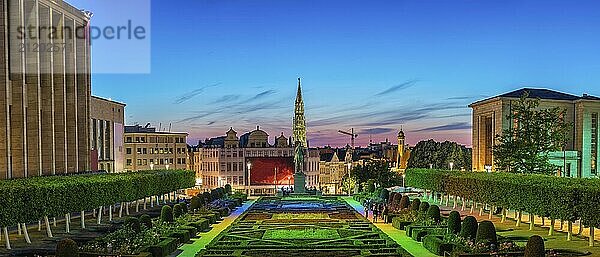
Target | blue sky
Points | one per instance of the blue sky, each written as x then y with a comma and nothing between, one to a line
371,65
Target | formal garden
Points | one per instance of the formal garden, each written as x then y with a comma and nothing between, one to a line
125,214
443,218
302,226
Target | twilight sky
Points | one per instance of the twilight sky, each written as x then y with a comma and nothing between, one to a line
371,65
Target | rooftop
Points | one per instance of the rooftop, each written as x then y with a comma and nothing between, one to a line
542,93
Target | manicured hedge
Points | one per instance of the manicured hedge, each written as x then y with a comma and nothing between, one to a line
436,245
547,196
30,199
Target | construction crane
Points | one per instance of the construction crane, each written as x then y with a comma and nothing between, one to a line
351,134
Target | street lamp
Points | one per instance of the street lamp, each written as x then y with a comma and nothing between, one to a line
403,184
349,178
151,166
430,166
275,181
167,166
451,166
249,166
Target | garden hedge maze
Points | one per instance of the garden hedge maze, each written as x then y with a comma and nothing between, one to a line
311,227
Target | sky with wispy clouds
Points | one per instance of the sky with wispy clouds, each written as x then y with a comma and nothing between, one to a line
374,66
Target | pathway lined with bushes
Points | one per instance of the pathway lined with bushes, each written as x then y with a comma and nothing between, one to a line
190,250
413,247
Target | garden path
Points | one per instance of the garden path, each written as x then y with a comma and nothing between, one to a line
413,247
190,250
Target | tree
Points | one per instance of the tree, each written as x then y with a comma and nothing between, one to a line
439,155
534,133
377,170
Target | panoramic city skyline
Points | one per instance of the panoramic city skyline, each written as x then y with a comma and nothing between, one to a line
374,68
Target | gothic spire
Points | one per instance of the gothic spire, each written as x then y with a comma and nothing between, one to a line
299,126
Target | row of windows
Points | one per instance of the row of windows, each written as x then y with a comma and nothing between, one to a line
213,181
145,162
156,150
249,153
594,146
154,139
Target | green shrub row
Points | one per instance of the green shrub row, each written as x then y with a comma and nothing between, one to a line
547,196
30,199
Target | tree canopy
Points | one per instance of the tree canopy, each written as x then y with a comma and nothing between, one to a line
534,132
378,171
440,155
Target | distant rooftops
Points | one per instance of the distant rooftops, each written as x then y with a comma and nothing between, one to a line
147,129
542,93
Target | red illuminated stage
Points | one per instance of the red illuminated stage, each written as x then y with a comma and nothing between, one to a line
263,170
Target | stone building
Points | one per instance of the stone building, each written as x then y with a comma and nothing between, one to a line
148,149
580,155
331,172
224,160
107,119
44,95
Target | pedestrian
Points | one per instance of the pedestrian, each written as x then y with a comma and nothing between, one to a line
384,213
375,212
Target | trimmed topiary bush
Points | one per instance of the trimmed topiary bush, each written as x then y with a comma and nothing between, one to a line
404,203
67,248
195,203
133,223
177,211
228,189
396,201
436,245
423,207
390,199
384,194
486,233
166,214
454,222
370,186
468,228
207,197
535,247
434,213
146,220
414,205
184,207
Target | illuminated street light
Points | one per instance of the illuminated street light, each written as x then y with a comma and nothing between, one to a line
403,184
151,166
451,166
249,166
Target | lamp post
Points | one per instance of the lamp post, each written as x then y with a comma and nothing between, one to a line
451,166
403,184
249,166
349,178
152,166
167,166
430,166
275,181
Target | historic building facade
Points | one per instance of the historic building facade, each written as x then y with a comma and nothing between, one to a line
148,149
107,120
44,95
224,160
580,155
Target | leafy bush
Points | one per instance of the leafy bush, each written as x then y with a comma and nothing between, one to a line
535,247
177,210
454,222
133,223
396,201
486,233
30,199
436,245
146,220
423,207
124,241
404,203
184,207
414,205
67,248
195,203
468,228
207,197
384,194
433,213
166,214
391,198
228,189
370,186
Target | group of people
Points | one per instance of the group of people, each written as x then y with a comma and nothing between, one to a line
378,210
